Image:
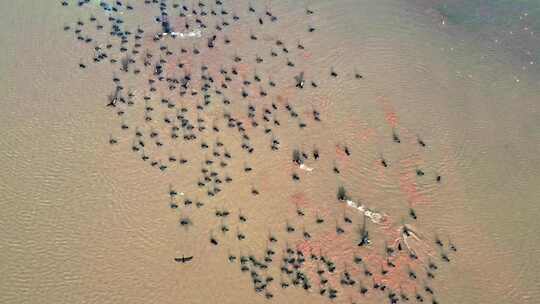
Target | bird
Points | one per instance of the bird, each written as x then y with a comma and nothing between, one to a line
183,259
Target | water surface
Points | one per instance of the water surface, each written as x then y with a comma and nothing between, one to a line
86,222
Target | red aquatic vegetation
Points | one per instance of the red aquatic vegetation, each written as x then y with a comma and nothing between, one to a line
343,161
286,94
340,154
389,112
244,70
341,251
331,246
365,134
300,200
321,103
307,55
408,184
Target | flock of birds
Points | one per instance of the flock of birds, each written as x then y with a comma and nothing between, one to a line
188,92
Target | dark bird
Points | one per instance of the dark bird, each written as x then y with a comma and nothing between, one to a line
184,259
300,80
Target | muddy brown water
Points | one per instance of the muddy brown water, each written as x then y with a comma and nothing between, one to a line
86,222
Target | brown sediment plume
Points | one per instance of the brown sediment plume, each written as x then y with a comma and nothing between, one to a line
206,74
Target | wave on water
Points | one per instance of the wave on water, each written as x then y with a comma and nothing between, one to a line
193,34
375,217
305,168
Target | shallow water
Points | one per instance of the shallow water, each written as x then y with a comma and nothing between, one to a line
87,222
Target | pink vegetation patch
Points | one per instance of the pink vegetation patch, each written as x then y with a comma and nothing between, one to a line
299,199
306,55
408,185
389,111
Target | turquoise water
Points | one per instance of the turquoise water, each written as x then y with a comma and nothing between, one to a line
510,26
475,14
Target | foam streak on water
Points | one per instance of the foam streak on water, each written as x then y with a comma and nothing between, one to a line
373,216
